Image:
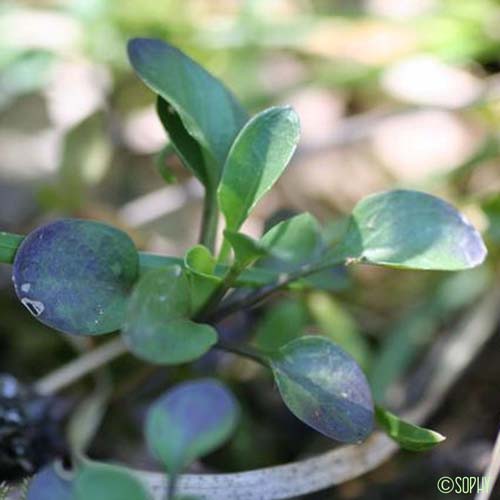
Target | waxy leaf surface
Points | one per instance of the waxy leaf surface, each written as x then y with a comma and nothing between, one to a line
157,327
413,230
294,241
75,275
258,157
203,108
409,436
189,421
325,388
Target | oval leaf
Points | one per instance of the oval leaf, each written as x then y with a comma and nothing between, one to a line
208,111
189,421
48,484
256,160
107,481
413,230
75,275
294,241
409,436
200,261
157,327
246,250
325,388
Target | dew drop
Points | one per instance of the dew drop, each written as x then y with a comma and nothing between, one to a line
35,307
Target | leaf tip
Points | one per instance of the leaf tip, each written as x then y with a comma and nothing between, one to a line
142,50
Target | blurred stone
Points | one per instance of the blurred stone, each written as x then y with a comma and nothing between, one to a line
422,143
76,90
28,156
320,111
492,22
372,41
143,132
26,114
485,181
334,179
39,29
279,72
17,205
428,81
398,9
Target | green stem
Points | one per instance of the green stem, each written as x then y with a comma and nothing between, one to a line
244,351
172,486
210,220
225,252
218,294
248,278
9,243
256,297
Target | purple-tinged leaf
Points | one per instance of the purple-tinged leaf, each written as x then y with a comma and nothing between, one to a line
75,275
48,484
325,388
189,421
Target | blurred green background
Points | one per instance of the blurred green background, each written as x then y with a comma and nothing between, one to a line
390,93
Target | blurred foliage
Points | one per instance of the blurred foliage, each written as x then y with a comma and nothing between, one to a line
78,137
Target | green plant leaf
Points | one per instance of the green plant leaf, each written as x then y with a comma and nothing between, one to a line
76,275
200,260
203,281
157,327
295,240
160,162
338,325
246,249
408,436
411,230
281,324
48,484
207,111
325,388
98,480
257,158
189,421
186,148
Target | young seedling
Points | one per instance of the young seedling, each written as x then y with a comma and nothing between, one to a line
86,278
